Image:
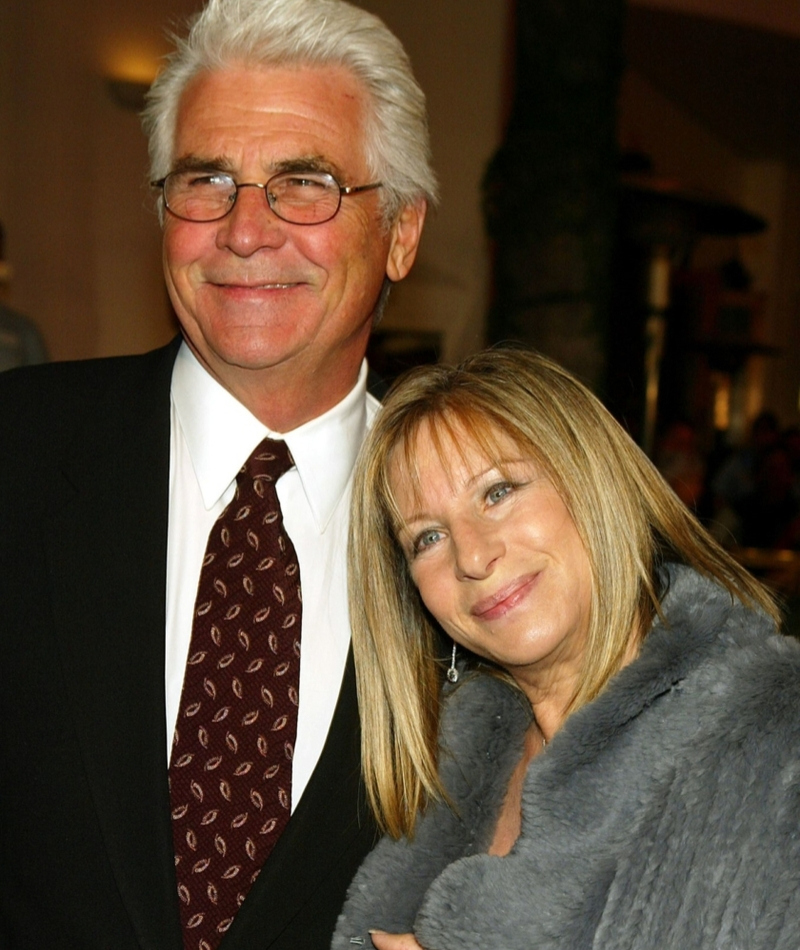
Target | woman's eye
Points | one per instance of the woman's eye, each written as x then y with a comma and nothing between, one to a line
498,492
426,539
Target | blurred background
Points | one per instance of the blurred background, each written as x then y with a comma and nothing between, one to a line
619,189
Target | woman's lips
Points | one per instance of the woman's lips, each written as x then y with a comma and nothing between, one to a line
490,608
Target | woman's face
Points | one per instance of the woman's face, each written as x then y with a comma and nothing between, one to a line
496,556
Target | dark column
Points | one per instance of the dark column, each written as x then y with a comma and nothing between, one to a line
550,191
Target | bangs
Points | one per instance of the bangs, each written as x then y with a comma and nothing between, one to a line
452,428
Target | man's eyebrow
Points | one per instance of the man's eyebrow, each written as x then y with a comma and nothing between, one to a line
199,163
300,163
306,163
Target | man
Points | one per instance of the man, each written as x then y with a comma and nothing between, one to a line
289,149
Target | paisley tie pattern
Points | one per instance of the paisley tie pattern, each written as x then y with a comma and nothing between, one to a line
231,763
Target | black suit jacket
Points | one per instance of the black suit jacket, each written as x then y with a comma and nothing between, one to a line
86,855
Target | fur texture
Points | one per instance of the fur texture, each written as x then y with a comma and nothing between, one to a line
665,815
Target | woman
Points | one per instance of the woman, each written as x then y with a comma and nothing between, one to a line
617,765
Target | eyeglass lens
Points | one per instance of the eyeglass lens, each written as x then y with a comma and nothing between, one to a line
308,198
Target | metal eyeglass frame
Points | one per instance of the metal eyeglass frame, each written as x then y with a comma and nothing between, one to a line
344,191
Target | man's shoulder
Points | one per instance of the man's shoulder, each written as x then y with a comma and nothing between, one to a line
45,403
76,380
84,375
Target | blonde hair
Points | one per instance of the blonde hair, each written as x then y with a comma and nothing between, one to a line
629,520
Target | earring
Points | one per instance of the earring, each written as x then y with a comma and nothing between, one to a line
452,673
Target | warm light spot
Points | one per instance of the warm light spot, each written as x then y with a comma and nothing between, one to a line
124,60
722,401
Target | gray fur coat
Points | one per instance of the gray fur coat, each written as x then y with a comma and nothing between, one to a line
665,815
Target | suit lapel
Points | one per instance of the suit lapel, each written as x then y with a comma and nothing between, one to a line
107,554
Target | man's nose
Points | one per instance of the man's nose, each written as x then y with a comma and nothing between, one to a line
251,224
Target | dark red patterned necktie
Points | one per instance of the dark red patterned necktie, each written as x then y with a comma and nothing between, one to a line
231,766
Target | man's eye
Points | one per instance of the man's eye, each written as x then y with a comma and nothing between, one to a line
208,180
498,492
299,182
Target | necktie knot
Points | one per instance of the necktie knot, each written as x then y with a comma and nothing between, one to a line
269,460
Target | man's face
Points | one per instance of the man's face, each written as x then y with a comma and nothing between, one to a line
253,292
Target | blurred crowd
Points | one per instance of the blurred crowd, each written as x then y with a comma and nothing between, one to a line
748,497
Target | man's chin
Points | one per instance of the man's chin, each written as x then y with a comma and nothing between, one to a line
248,356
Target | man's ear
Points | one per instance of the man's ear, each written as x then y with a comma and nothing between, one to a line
404,241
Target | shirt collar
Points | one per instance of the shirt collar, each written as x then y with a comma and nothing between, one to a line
220,433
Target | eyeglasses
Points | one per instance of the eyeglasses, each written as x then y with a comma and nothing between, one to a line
296,197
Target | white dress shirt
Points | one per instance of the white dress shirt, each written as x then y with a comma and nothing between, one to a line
212,435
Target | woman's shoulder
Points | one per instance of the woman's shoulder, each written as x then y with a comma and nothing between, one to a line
733,661
755,683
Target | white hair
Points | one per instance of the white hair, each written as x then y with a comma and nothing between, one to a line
266,33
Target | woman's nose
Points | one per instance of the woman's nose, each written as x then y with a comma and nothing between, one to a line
478,547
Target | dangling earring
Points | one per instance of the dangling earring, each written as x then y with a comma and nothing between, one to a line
452,673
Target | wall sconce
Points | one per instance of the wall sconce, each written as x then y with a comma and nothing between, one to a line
128,93
129,64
